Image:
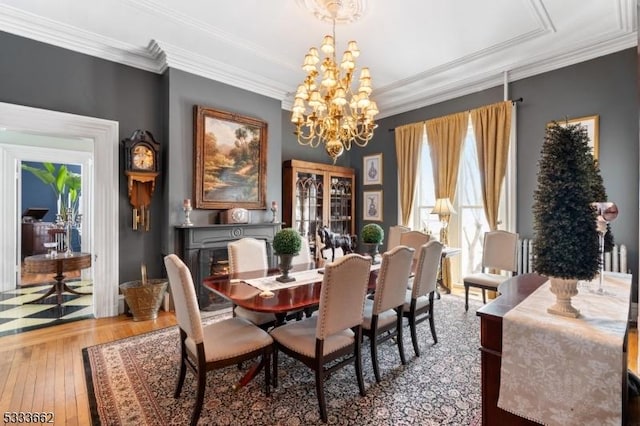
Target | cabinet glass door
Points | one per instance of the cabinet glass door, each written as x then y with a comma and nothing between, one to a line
340,206
308,204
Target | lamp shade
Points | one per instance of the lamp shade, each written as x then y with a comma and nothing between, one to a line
443,207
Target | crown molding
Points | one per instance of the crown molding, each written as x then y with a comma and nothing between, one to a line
431,86
614,42
159,9
35,27
185,60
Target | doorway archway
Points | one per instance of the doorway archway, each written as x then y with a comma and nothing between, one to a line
103,135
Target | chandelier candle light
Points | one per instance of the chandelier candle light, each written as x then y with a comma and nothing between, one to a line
329,111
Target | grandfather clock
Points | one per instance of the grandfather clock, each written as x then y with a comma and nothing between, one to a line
141,168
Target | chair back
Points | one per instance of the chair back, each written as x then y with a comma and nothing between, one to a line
500,250
415,240
427,269
184,297
304,257
392,279
393,236
247,254
344,287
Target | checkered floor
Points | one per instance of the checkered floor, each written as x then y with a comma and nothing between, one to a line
17,314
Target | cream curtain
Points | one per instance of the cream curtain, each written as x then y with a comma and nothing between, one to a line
445,136
492,129
408,140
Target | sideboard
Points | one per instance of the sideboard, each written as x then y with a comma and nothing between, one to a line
512,292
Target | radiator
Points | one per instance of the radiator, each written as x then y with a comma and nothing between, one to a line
614,261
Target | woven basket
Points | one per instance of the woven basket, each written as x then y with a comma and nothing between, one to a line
144,300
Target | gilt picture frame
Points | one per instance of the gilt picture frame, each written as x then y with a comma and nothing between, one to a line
372,205
230,167
372,169
592,124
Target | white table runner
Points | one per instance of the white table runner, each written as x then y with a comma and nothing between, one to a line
309,276
566,371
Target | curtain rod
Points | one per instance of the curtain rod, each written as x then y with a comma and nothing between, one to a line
514,101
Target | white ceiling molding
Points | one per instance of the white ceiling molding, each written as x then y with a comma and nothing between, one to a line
433,94
176,57
152,6
626,10
271,74
346,11
540,12
38,28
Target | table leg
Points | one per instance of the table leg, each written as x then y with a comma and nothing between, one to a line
56,288
250,374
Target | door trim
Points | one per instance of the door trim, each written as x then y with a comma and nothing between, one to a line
103,135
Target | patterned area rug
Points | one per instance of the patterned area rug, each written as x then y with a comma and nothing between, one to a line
131,382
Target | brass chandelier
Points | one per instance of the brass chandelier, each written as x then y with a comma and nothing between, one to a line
330,111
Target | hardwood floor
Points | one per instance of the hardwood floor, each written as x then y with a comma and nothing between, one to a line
42,370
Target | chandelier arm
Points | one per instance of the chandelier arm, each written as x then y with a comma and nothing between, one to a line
327,108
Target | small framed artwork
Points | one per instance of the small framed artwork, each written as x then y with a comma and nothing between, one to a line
592,125
230,166
372,169
372,205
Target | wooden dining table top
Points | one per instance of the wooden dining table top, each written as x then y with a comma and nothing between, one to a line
234,287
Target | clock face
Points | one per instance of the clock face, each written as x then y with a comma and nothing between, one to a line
142,157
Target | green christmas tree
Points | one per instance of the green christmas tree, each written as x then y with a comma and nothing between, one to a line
566,240
600,194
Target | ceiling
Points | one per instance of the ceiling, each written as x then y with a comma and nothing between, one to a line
419,51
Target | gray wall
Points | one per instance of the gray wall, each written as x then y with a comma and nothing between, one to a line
184,91
606,86
291,149
43,76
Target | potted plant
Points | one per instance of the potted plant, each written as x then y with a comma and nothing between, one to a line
64,184
372,236
566,245
286,244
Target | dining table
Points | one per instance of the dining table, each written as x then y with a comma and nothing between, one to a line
294,296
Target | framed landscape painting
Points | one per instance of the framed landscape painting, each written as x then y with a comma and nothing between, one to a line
591,125
230,153
372,205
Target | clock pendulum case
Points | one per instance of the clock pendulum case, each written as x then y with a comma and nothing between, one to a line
141,155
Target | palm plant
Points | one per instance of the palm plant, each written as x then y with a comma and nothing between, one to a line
65,184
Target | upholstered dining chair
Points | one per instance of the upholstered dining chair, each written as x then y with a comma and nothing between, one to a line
335,332
383,315
418,305
415,240
499,252
304,257
250,254
393,236
221,344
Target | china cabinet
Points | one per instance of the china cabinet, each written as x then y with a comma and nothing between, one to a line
317,195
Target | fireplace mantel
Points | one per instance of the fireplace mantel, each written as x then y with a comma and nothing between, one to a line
193,241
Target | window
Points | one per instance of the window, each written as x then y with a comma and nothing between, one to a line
468,225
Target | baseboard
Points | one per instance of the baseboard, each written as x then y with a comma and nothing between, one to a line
120,304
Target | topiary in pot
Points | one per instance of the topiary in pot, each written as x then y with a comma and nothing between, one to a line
372,236
286,244
566,241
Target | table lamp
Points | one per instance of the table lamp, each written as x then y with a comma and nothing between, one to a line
443,209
